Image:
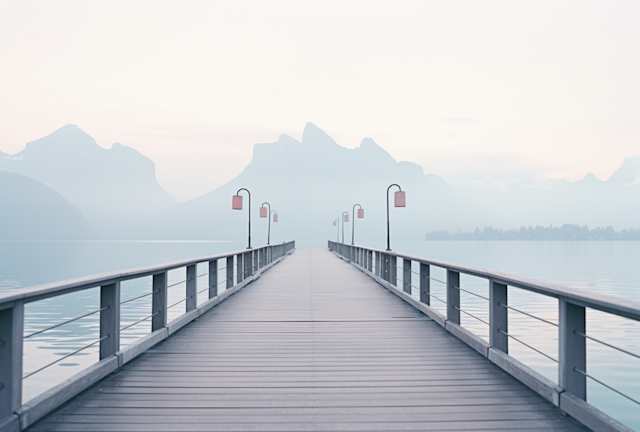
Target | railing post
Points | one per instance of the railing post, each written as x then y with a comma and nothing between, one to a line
255,260
406,276
378,260
192,298
573,349
453,296
110,319
393,262
159,302
498,316
229,271
11,332
213,278
248,263
239,270
425,283
370,258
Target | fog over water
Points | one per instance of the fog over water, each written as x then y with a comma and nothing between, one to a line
126,128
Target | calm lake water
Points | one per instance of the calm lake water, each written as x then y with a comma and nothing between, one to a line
605,267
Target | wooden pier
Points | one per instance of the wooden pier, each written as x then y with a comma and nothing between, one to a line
314,344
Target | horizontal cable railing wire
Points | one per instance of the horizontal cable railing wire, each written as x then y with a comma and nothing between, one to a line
528,346
65,322
139,297
606,344
64,357
430,295
178,283
139,321
528,314
176,304
472,293
472,316
606,385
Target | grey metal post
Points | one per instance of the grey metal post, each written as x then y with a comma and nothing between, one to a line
378,273
239,270
159,302
498,316
425,283
213,278
393,273
573,349
11,332
255,260
229,271
406,276
248,265
385,267
453,297
192,298
110,319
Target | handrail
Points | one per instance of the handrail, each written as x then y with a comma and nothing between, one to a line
53,289
241,267
394,271
603,302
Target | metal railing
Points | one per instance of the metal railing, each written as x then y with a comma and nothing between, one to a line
571,392
14,416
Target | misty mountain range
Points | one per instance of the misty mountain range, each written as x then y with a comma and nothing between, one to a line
70,181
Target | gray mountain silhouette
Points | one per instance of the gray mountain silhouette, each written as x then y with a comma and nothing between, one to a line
111,187
310,183
33,211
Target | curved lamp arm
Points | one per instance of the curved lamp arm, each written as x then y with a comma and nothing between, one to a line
269,225
353,222
343,213
238,193
388,237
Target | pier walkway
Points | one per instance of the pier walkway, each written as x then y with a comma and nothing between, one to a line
313,344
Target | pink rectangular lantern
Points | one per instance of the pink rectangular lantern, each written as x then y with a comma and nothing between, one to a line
400,199
237,202
360,213
275,218
346,218
263,212
334,223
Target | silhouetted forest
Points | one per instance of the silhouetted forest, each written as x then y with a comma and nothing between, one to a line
565,232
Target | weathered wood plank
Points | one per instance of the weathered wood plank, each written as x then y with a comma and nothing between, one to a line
312,345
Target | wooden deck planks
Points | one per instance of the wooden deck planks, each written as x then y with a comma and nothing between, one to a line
313,345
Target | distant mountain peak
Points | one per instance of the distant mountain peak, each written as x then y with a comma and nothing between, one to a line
68,136
629,172
316,137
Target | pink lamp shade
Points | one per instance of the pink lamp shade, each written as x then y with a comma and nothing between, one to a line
263,212
237,202
334,223
360,213
275,218
346,218
400,199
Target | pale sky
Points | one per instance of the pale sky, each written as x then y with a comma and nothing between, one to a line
550,88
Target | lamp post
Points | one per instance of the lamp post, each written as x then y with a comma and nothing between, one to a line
265,213
399,201
353,223
345,218
336,223
275,216
237,205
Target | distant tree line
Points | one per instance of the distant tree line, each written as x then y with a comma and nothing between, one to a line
565,232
